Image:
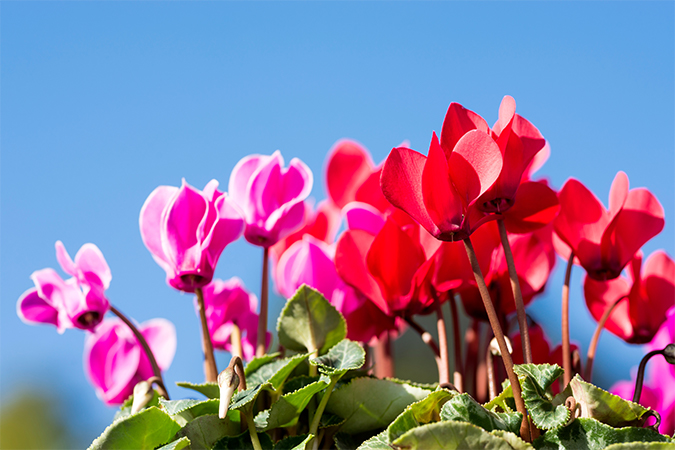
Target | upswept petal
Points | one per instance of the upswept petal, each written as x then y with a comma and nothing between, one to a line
362,216
658,285
227,228
441,200
618,193
370,192
349,165
535,206
263,187
66,297
151,222
507,110
64,259
161,337
306,262
474,165
184,220
283,222
600,295
351,266
393,259
238,187
89,259
31,308
297,181
459,121
401,184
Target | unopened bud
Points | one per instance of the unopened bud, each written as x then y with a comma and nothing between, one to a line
143,393
494,346
669,353
228,381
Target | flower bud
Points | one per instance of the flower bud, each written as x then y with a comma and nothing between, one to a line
228,381
143,393
669,353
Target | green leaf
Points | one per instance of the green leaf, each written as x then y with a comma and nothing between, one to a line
504,402
205,431
371,403
243,442
513,440
589,434
535,379
464,408
309,323
643,446
300,382
449,435
294,442
605,407
179,444
286,410
210,390
419,413
257,363
345,355
377,442
275,372
329,420
243,399
148,429
183,411
125,408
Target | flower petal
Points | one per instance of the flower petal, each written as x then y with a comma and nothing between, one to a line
362,216
459,121
89,259
151,222
474,165
161,337
349,165
33,309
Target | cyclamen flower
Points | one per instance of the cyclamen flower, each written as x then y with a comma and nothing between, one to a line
114,361
78,302
650,292
186,230
228,304
604,241
270,196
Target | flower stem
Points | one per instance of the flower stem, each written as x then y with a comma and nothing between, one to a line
384,361
567,355
457,377
235,341
316,419
146,348
641,374
444,368
590,357
499,335
262,318
251,430
210,368
492,381
428,339
517,293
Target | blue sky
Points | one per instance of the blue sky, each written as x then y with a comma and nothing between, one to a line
103,101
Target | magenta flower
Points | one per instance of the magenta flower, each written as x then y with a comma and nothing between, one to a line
228,304
114,361
270,196
78,302
186,230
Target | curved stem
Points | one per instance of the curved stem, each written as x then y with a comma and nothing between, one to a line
444,368
499,335
517,294
457,376
146,348
262,318
235,341
641,374
567,355
590,357
210,368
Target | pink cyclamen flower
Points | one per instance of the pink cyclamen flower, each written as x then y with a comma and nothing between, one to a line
114,361
186,230
270,196
228,303
78,302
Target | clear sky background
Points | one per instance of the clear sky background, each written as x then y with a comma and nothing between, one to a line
101,102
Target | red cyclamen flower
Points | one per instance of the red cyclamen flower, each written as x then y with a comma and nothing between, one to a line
439,191
186,230
650,294
604,241
78,302
114,361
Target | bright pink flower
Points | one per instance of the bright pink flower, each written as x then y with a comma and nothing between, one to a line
351,176
650,294
228,303
658,391
186,230
270,196
310,261
114,361
440,191
604,241
77,302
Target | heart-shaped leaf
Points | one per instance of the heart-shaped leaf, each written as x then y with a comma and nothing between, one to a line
244,399
377,442
257,363
422,412
183,411
204,431
286,410
275,372
450,435
309,323
535,380
147,429
464,408
345,355
371,403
